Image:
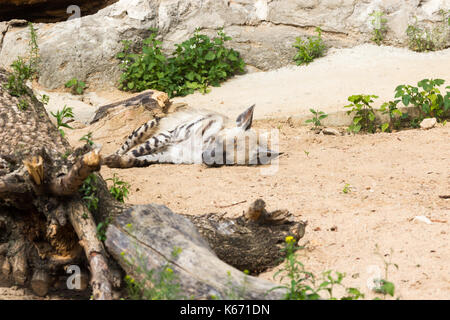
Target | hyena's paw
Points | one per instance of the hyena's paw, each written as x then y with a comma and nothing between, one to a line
117,161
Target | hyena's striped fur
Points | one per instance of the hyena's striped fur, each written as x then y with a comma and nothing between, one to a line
192,136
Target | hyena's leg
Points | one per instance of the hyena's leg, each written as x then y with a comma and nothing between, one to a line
129,161
143,156
156,142
138,136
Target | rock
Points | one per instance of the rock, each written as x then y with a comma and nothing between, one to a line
262,30
428,123
331,131
421,219
47,10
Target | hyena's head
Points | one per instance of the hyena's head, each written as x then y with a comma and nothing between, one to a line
238,144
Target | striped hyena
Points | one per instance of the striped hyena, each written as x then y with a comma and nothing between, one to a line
194,136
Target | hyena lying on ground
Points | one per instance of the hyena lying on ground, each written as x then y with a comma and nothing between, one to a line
194,136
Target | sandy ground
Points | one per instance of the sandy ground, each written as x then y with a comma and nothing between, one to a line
326,83
392,177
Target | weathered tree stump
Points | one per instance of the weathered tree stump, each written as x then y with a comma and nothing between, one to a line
251,242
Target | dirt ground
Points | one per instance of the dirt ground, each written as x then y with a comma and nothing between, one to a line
392,178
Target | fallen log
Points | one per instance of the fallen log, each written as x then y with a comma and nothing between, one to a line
143,238
35,181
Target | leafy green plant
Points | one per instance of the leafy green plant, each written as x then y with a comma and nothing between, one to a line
24,68
23,104
309,49
317,116
77,86
88,138
429,39
379,26
364,115
235,292
44,99
195,64
119,189
61,116
347,188
303,285
395,115
101,229
151,284
88,191
427,98
383,286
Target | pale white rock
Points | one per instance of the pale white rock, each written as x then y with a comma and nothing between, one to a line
422,219
428,123
331,131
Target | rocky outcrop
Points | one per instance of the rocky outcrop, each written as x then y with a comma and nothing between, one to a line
262,30
48,10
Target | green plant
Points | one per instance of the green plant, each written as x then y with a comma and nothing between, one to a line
303,285
119,189
88,138
364,115
317,116
235,292
379,26
24,68
77,86
88,191
45,99
194,65
395,115
309,49
426,97
23,104
60,116
347,188
101,229
429,39
151,284
383,286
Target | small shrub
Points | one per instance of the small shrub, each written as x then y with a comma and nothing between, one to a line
194,65
309,49
422,39
379,26
303,285
427,98
119,189
317,116
24,68
383,286
88,138
60,116
88,191
77,86
23,104
101,229
364,118
161,284
395,115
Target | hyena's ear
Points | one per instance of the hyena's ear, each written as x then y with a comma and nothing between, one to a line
244,120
